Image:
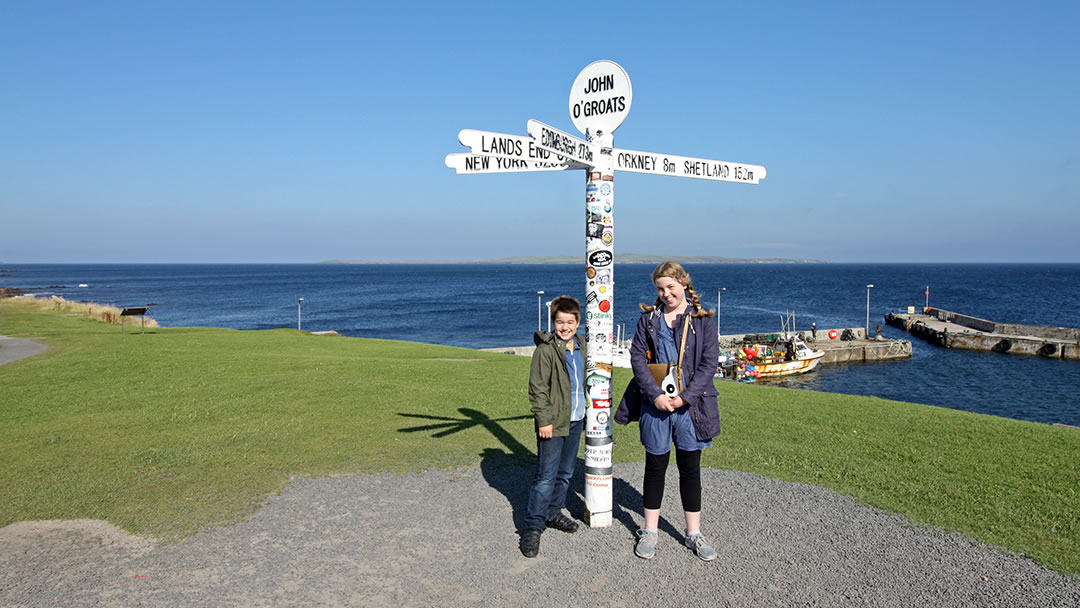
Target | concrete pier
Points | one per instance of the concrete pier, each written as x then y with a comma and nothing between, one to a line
857,349
956,330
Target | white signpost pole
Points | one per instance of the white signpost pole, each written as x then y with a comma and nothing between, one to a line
599,102
599,335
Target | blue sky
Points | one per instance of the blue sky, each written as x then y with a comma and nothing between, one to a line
302,132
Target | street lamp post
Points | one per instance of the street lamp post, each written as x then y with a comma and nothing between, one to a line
718,294
867,328
539,307
298,301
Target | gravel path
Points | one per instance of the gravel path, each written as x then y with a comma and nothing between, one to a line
442,538
18,348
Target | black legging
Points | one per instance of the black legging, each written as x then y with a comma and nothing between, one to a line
689,464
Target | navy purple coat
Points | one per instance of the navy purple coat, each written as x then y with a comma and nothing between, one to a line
700,358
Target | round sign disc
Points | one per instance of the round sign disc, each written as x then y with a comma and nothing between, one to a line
600,98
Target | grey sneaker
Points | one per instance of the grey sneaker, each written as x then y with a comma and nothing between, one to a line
646,544
701,547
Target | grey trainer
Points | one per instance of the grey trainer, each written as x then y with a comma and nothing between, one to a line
646,544
701,547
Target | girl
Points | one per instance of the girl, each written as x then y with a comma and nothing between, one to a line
689,419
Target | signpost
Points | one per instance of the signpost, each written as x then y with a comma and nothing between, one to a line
479,163
684,166
509,146
599,102
600,98
551,139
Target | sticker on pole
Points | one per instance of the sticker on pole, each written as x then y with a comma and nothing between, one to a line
600,98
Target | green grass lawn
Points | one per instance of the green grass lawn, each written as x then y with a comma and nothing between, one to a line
167,432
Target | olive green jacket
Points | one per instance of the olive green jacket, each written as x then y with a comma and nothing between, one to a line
549,384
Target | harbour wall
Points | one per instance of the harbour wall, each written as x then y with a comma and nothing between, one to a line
955,330
873,350
856,350
733,340
1063,334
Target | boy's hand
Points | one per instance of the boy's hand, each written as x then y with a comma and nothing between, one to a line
545,431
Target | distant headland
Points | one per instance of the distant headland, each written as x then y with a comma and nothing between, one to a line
625,258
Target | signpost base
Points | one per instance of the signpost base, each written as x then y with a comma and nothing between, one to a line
598,520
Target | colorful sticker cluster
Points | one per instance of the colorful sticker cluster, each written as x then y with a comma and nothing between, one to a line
599,337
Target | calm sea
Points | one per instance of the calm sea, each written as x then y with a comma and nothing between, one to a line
482,305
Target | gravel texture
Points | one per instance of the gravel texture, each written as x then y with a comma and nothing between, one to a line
440,538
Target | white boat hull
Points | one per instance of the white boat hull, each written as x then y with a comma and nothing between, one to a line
786,368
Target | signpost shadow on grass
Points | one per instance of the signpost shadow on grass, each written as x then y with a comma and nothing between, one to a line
500,468
472,418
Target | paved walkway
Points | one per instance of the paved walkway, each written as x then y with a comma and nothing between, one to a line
13,349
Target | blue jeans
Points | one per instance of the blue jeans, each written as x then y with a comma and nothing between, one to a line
554,467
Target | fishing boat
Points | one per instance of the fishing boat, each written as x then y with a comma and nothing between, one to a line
786,356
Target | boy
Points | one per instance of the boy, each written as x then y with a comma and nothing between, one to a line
557,394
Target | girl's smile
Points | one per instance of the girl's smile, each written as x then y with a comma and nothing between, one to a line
671,293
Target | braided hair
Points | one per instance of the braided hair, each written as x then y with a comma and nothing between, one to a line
675,271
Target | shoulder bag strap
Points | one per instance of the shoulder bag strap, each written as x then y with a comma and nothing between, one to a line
682,348
685,327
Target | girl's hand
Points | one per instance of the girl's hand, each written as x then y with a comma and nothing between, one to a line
545,431
677,402
663,403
